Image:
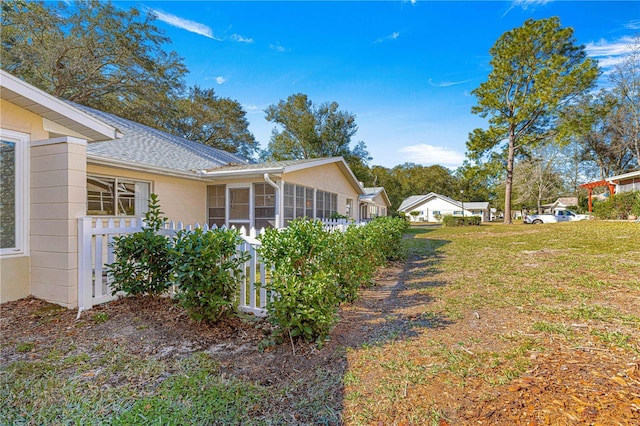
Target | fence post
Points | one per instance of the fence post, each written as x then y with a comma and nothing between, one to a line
85,292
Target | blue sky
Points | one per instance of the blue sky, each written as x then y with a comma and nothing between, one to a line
404,68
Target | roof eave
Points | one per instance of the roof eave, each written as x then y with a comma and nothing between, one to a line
25,95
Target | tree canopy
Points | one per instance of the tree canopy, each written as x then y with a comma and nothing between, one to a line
93,53
218,122
310,131
115,60
536,70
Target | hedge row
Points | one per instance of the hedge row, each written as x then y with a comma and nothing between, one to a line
313,270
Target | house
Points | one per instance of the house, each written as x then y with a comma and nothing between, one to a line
375,202
432,207
561,203
626,182
62,161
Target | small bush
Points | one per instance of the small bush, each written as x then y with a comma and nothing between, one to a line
206,271
387,233
356,257
618,206
142,259
451,221
303,279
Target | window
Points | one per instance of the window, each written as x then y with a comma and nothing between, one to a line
300,204
309,202
239,200
457,212
326,204
13,192
319,204
289,202
265,205
349,207
216,204
111,196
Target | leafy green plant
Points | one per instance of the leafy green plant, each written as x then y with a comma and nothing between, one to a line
388,233
618,206
100,317
356,258
25,347
205,269
451,221
302,279
141,263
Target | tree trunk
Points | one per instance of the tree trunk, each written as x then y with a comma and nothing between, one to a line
509,183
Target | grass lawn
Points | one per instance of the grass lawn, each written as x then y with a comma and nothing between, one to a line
486,325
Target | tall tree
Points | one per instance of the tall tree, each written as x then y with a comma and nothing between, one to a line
598,124
536,70
480,181
308,131
203,117
93,53
626,80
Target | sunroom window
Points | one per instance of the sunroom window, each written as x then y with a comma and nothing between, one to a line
13,192
112,196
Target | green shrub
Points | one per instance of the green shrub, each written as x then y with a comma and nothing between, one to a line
387,233
356,257
206,270
451,221
618,206
302,278
141,263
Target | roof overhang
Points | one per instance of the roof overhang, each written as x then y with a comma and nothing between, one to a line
282,169
630,175
140,167
24,95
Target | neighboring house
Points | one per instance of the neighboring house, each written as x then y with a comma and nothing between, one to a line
62,161
432,207
375,202
561,203
626,182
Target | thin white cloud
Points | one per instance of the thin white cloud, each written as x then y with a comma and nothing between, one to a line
633,25
393,36
185,24
609,54
241,39
220,79
447,83
279,48
428,155
525,4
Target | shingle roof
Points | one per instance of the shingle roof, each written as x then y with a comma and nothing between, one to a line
263,165
145,145
417,200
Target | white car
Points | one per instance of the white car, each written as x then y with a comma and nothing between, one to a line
558,216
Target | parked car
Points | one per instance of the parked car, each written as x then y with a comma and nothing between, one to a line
558,216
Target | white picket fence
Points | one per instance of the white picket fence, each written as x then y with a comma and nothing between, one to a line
95,251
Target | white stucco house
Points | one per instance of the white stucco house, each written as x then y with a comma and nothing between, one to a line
432,207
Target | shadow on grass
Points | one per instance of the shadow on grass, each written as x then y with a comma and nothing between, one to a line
398,308
392,311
